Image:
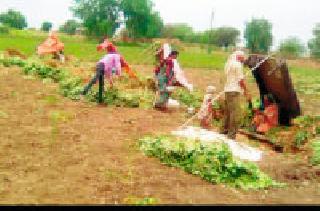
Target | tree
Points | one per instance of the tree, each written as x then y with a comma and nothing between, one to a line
46,26
13,19
225,36
180,31
292,47
98,16
155,26
70,27
258,35
141,20
314,43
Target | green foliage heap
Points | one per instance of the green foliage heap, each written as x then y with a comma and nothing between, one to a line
193,99
213,163
315,159
71,86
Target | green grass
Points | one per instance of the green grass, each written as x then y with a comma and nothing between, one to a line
27,41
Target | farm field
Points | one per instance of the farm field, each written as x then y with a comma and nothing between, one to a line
55,150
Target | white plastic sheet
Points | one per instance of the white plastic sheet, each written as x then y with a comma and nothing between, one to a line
238,150
180,76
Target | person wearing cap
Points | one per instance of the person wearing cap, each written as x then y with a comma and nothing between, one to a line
235,84
205,114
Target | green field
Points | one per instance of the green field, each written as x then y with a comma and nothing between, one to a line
305,76
85,50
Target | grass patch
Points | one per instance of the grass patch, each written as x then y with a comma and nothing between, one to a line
26,41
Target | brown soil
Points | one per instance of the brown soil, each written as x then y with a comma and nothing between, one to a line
56,151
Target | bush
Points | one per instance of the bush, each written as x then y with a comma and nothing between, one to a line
4,30
46,26
292,48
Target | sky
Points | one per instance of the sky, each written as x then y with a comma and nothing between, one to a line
289,17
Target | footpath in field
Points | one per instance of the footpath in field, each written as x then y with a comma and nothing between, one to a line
54,150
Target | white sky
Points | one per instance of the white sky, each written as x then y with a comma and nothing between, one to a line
289,17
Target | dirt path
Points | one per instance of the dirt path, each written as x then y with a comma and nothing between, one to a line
53,150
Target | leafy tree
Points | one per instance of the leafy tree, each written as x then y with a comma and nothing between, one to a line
70,27
258,35
46,26
314,43
292,47
13,19
225,36
98,16
180,31
155,25
140,20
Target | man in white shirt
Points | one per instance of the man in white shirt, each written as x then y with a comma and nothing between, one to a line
234,85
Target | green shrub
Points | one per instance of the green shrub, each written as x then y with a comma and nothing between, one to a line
4,30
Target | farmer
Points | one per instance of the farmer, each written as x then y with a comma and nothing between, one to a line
109,64
206,112
104,46
52,45
165,76
234,85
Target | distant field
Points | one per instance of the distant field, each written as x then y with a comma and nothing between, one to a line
27,41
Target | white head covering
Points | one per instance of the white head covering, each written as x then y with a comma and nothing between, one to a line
211,89
166,50
233,58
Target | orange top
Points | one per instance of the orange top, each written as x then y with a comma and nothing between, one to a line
51,45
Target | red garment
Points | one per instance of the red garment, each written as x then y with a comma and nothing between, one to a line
106,45
169,70
160,60
266,120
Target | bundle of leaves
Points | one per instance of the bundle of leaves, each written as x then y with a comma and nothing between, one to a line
212,162
129,98
315,159
70,86
12,61
307,128
190,99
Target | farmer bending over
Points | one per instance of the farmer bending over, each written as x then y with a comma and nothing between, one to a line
234,85
105,67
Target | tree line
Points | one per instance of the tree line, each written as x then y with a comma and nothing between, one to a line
103,17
